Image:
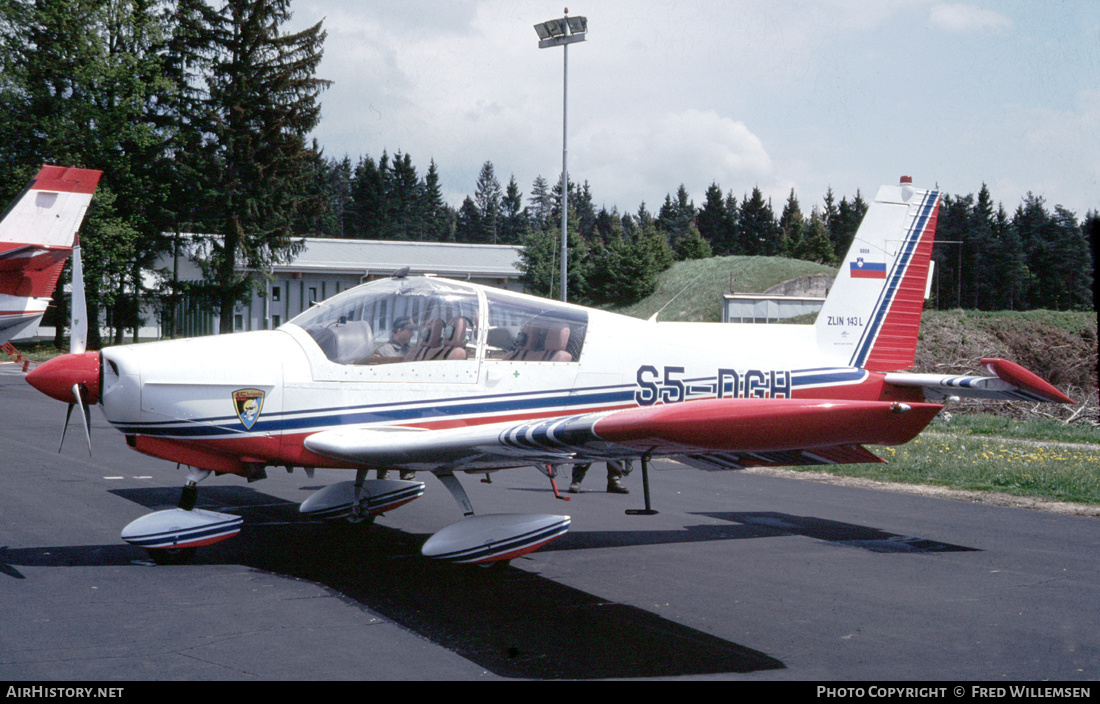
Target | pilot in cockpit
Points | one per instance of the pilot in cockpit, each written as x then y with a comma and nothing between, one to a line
401,333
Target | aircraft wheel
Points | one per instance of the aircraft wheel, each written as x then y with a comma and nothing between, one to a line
171,556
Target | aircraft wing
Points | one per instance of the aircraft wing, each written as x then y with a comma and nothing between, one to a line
712,434
1011,383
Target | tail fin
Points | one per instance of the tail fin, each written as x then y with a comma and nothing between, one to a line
871,316
38,229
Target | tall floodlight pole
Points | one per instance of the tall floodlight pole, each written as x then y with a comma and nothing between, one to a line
563,32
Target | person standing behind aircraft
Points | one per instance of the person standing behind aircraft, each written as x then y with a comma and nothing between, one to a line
616,470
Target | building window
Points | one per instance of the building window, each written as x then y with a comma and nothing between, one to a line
275,294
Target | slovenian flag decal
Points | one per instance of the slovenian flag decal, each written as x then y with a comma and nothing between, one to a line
860,269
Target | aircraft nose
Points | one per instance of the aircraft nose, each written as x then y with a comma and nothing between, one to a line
56,377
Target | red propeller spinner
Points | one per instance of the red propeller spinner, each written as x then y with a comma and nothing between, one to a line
56,377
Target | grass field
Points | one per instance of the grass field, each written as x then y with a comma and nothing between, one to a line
691,291
1037,459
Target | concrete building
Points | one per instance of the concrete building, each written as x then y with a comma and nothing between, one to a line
800,296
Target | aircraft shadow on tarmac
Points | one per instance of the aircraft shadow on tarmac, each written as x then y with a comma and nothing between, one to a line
507,620
744,526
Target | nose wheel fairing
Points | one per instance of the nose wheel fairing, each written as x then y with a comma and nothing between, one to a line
178,528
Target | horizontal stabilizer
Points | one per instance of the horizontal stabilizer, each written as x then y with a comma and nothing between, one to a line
1011,383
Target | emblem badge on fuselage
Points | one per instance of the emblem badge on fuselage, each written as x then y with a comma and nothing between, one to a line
248,404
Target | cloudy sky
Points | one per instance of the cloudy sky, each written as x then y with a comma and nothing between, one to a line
848,94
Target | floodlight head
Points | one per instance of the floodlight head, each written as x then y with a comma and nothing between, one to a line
557,28
577,25
543,32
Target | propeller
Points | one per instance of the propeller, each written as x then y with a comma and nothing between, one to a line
78,330
84,410
78,343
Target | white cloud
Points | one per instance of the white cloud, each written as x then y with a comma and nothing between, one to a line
780,94
967,18
635,157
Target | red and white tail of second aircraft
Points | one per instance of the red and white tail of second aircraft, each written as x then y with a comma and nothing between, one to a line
37,233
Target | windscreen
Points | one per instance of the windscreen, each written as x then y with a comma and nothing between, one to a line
395,320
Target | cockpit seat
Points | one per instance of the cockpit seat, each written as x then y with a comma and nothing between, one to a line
345,342
554,346
527,342
450,341
542,344
430,336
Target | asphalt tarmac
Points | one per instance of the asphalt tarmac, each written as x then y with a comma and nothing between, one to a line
739,577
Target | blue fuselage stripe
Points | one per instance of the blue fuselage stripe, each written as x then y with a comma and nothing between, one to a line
501,405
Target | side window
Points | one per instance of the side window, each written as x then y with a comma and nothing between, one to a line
532,330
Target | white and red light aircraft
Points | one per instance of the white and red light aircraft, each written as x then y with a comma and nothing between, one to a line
36,235
499,380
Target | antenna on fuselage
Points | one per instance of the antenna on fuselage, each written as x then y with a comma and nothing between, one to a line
653,318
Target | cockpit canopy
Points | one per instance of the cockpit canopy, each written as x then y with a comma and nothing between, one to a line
421,319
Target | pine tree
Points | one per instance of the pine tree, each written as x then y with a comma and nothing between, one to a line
675,215
334,183
369,203
791,226
844,224
815,245
437,219
952,229
582,204
1009,265
691,245
488,201
1075,277
468,226
540,203
541,259
405,220
264,94
758,229
514,221
713,221
984,253
732,227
